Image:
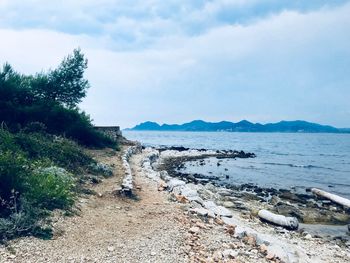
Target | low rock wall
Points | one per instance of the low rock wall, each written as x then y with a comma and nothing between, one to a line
127,185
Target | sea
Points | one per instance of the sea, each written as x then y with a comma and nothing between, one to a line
294,161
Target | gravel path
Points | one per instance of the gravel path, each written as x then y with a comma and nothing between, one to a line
110,229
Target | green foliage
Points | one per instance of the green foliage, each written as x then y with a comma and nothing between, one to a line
50,99
66,84
13,173
51,188
60,151
25,219
31,182
101,168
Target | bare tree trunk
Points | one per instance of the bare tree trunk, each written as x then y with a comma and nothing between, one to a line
335,198
287,222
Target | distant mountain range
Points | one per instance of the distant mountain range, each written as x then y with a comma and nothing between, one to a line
242,126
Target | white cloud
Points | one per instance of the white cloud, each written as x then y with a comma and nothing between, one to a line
256,70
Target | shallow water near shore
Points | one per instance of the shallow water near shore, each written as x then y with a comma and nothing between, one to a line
284,160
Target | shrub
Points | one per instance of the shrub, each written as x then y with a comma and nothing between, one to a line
101,168
51,188
13,173
61,151
25,219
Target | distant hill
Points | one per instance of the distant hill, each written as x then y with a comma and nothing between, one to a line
242,126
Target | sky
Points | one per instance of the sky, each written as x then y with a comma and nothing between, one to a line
178,60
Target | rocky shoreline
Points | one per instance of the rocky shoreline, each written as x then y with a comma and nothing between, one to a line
238,206
306,207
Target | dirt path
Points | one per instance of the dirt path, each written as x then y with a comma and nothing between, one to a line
110,228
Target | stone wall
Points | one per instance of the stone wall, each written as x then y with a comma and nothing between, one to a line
113,132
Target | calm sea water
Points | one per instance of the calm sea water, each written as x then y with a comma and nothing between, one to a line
284,160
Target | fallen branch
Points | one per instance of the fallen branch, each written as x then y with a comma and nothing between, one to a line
335,198
287,222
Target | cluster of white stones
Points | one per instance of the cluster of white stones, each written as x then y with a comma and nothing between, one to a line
127,184
151,157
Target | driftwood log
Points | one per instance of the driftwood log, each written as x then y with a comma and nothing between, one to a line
291,223
334,198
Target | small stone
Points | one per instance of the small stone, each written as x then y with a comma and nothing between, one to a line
250,239
263,248
228,204
181,199
308,236
230,253
200,211
194,230
219,221
110,249
162,186
270,256
200,225
217,256
230,229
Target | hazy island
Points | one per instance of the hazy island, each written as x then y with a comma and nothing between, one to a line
242,126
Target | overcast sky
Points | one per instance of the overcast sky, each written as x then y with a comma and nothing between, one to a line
177,60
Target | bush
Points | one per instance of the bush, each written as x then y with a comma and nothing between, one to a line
101,168
28,190
60,151
25,220
51,188
13,173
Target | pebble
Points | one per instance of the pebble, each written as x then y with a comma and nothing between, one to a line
230,253
308,236
194,230
270,256
110,248
263,248
228,204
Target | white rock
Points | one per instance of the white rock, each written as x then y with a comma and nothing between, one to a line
229,221
217,210
200,211
194,230
175,182
228,204
188,192
230,253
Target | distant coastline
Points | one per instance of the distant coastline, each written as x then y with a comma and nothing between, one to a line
297,126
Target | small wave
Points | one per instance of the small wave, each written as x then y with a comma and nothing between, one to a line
286,154
309,166
333,155
340,184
